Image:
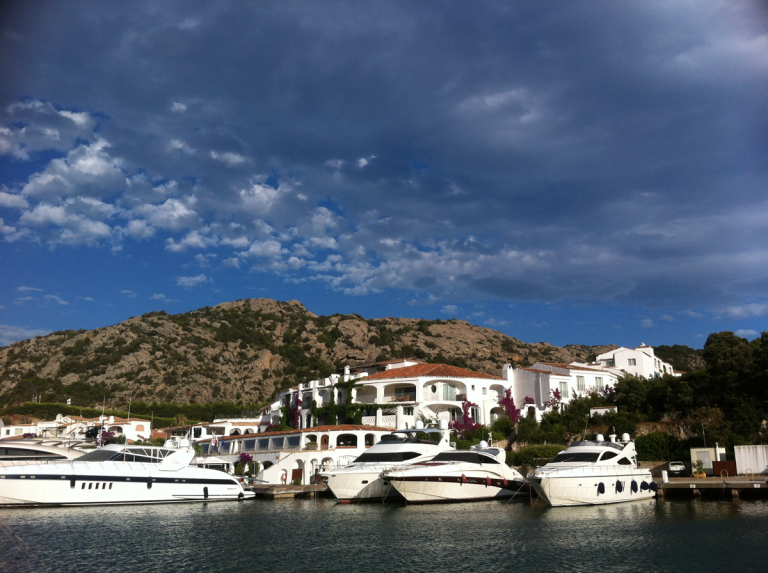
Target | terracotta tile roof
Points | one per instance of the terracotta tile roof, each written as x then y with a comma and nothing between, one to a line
431,370
571,367
336,428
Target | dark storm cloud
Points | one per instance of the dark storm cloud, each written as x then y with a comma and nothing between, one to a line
529,151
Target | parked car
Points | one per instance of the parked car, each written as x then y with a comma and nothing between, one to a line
676,469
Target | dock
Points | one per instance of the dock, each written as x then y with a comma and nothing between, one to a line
735,486
287,491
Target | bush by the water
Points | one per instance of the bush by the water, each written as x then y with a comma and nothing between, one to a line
531,455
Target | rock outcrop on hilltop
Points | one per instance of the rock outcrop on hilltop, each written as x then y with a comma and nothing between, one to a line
243,352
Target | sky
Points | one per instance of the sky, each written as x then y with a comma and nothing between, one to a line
568,172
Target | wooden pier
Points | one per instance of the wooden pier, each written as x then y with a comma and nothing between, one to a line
735,486
270,491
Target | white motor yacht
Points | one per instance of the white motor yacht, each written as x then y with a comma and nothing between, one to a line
118,474
361,480
460,475
593,473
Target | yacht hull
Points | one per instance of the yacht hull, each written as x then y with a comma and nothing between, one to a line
563,490
113,483
468,486
349,486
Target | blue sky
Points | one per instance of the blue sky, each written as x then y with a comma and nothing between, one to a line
568,172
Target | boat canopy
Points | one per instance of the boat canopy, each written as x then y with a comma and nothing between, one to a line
464,456
142,455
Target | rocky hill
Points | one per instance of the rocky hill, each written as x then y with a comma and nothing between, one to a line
243,352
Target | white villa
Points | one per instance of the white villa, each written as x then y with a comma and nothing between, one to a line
639,361
285,457
74,427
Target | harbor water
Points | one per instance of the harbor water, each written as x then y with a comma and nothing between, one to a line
321,535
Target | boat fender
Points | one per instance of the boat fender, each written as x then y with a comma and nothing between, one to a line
619,487
654,486
634,486
487,482
600,488
284,476
463,478
506,483
644,486
240,495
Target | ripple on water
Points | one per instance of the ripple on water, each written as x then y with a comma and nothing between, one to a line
324,536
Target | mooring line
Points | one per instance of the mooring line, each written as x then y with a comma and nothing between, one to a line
11,534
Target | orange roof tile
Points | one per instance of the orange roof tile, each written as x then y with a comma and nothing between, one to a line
433,370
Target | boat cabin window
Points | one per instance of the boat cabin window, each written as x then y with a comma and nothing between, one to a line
564,457
469,457
24,453
97,456
393,438
608,456
624,462
386,457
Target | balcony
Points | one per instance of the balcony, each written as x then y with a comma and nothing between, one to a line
402,397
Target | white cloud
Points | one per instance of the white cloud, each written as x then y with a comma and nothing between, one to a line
233,262
88,170
747,310
260,198
6,229
362,162
56,299
172,214
140,229
28,289
335,163
496,322
23,299
193,240
10,334
746,333
128,293
228,158
449,309
179,145
76,227
264,249
668,318
204,261
647,323
189,282
12,200
178,107
161,297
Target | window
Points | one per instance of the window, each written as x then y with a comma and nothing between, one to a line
449,393
608,456
575,457
485,390
564,389
474,411
408,411
473,387
599,384
632,362
580,386
387,457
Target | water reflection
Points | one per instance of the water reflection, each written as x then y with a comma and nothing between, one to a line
670,535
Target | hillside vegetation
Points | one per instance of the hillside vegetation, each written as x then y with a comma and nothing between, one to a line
242,352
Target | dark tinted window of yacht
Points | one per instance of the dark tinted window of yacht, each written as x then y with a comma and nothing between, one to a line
624,462
386,457
575,457
98,456
469,457
25,452
608,456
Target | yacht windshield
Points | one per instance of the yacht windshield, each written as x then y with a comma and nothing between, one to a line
588,457
386,457
468,457
97,456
